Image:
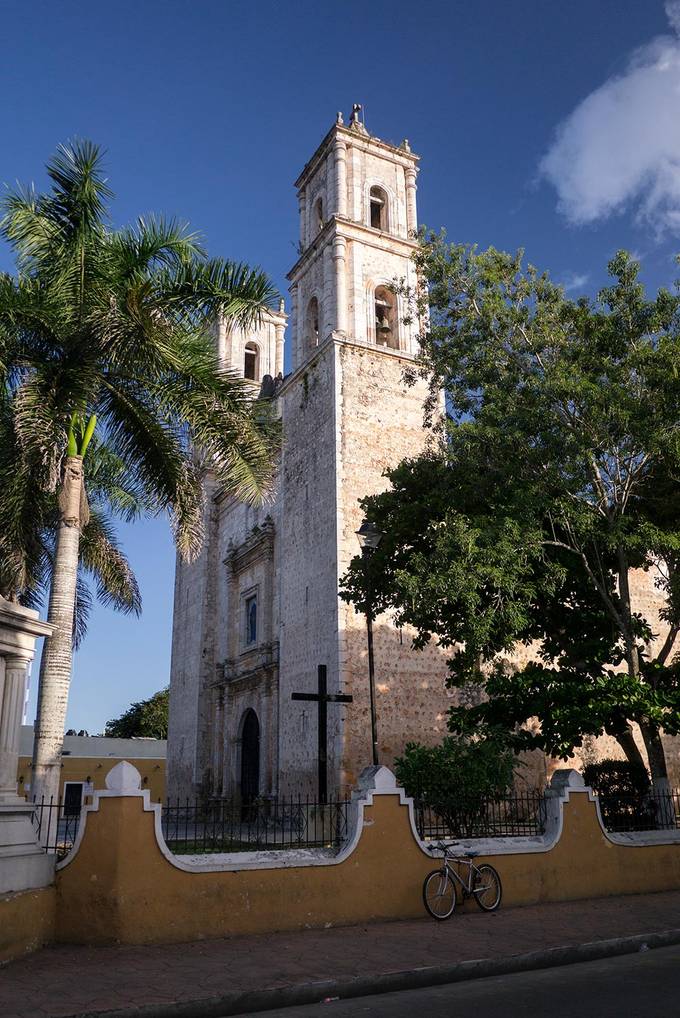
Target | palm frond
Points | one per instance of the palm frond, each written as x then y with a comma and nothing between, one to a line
101,557
111,484
158,450
152,242
206,289
82,610
77,203
28,228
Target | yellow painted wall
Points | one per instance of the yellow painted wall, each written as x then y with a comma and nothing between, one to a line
120,887
27,921
80,768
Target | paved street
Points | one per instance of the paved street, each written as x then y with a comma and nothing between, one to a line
644,985
68,980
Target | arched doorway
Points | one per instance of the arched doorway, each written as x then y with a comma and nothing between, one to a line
250,758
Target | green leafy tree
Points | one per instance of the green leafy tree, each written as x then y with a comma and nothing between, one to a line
104,338
556,477
143,719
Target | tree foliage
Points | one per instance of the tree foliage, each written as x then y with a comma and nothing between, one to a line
143,719
115,325
111,330
554,478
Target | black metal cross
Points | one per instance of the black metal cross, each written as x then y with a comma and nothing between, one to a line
322,698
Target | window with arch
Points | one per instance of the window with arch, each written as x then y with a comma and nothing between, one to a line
312,323
318,215
385,307
251,366
378,208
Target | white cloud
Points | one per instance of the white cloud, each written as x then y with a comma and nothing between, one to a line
620,148
574,281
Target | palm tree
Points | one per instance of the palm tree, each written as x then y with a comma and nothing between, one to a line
109,329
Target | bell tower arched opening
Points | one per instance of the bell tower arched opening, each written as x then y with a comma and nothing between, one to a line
318,215
385,311
378,209
312,323
251,362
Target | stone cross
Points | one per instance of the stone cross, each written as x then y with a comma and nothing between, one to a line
322,698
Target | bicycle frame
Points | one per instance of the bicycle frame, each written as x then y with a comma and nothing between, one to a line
450,862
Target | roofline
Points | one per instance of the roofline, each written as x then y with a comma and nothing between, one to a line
354,137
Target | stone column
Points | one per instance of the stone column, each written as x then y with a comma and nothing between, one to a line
295,326
302,204
339,251
12,699
278,356
218,743
411,215
340,151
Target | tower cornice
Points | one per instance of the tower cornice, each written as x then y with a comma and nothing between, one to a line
340,226
359,140
336,339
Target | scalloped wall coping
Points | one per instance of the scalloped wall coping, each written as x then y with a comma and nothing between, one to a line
124,780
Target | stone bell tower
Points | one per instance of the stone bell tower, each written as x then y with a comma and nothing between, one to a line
348,415
357,199
259,611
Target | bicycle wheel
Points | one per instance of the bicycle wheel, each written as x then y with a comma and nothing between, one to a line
486,889
439,894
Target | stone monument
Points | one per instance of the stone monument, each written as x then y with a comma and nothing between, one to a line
24,864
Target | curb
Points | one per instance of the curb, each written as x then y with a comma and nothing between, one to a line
238,1002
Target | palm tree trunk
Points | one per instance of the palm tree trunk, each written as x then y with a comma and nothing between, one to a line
57,656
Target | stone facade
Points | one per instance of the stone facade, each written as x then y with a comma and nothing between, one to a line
259,610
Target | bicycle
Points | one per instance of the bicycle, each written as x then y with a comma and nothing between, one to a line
439,887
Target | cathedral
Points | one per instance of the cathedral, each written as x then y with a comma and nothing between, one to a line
257,615
258,612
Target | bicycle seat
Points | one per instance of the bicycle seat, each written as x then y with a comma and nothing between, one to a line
470,854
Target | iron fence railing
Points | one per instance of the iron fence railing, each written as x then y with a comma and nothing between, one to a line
509,816
215,825
640,811
56,825
227,825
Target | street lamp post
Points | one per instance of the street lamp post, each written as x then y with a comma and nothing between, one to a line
369,538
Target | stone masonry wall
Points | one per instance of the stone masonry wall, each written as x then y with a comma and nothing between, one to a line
194,618
308,593
381,422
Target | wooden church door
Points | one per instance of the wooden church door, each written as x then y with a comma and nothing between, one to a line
250,758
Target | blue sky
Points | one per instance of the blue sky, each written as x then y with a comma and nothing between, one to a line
553,127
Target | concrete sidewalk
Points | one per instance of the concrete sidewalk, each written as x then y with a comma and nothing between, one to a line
244,974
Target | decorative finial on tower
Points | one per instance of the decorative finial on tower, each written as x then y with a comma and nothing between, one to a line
405,145
338,118
355,121
282,305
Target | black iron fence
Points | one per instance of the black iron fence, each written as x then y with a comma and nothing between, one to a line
226,825
215,825
56,825
640,811
508,816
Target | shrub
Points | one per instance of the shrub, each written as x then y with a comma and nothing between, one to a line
617,777
456,778
624,790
